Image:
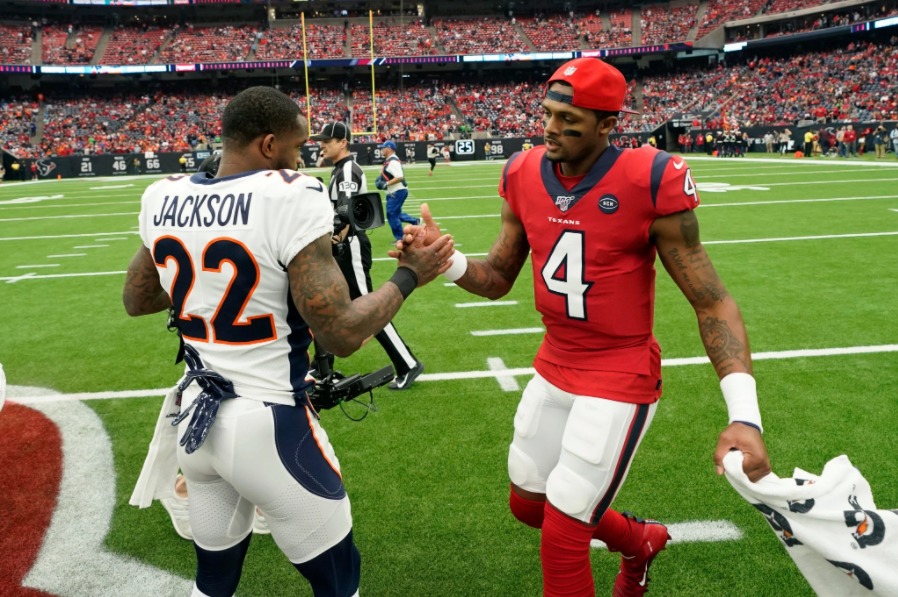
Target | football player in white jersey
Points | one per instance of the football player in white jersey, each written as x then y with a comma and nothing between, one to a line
245,260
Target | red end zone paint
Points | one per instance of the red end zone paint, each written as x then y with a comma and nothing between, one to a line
31,453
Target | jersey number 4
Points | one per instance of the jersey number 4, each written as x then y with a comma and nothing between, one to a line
226,324
563,272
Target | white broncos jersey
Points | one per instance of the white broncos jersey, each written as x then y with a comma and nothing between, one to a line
222,246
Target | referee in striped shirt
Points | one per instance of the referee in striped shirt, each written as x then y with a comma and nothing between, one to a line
354,259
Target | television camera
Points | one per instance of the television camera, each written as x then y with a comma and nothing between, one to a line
332,388
360,212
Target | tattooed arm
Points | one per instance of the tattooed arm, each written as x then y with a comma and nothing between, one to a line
720,325
143,294
719,320
493,276
321,295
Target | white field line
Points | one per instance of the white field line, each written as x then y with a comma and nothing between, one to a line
66,255
695,531
507,382
70,217
33,276
485,304
779,355
416,201
735,204
804,162
37,266
89,246
788,201
711,242
513,332
49,237
794,238
68,205
755,173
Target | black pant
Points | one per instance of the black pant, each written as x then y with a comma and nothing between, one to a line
355,263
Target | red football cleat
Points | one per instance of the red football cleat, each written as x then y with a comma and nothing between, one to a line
633,578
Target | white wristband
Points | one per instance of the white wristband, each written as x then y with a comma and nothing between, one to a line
458,268
741,395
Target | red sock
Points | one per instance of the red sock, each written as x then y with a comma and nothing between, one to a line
614,530
530,512
565,556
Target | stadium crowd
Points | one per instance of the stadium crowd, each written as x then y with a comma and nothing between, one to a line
664,23
322,41
162,41
393,38
858,82
204,44
15,43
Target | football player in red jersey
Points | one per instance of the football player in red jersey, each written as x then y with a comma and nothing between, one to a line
594,217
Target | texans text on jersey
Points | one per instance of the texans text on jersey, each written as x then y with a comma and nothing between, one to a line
562,221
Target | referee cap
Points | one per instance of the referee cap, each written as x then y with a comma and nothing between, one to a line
333,130
597,85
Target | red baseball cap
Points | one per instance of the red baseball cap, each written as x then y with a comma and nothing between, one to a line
597,85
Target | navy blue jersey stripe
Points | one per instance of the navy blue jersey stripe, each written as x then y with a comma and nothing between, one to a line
299,340
511,159
301,454
631,443
659,164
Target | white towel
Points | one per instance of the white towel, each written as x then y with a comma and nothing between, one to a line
830,526
160,468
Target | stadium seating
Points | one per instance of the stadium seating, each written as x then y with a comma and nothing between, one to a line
393,38
857,81
552,33
482,35
664,23
718,12
18,120
132,45
322,41
203,44
15,43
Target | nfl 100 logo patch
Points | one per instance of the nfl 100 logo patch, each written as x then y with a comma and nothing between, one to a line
563,202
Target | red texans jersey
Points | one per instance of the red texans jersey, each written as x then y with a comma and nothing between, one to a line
594,265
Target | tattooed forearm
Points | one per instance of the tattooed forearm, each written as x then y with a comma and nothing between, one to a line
725,349
689,228
494,276
321,295
143,294
696,275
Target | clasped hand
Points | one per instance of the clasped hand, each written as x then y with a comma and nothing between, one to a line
420,235
424,250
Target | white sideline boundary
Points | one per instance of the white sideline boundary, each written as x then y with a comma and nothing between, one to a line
24,397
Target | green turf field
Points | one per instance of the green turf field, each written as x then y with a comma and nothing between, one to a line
808,248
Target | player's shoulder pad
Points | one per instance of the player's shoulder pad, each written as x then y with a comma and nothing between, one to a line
646,166
297,179
163,182
514,163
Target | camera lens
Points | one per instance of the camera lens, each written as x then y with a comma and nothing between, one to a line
361,212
